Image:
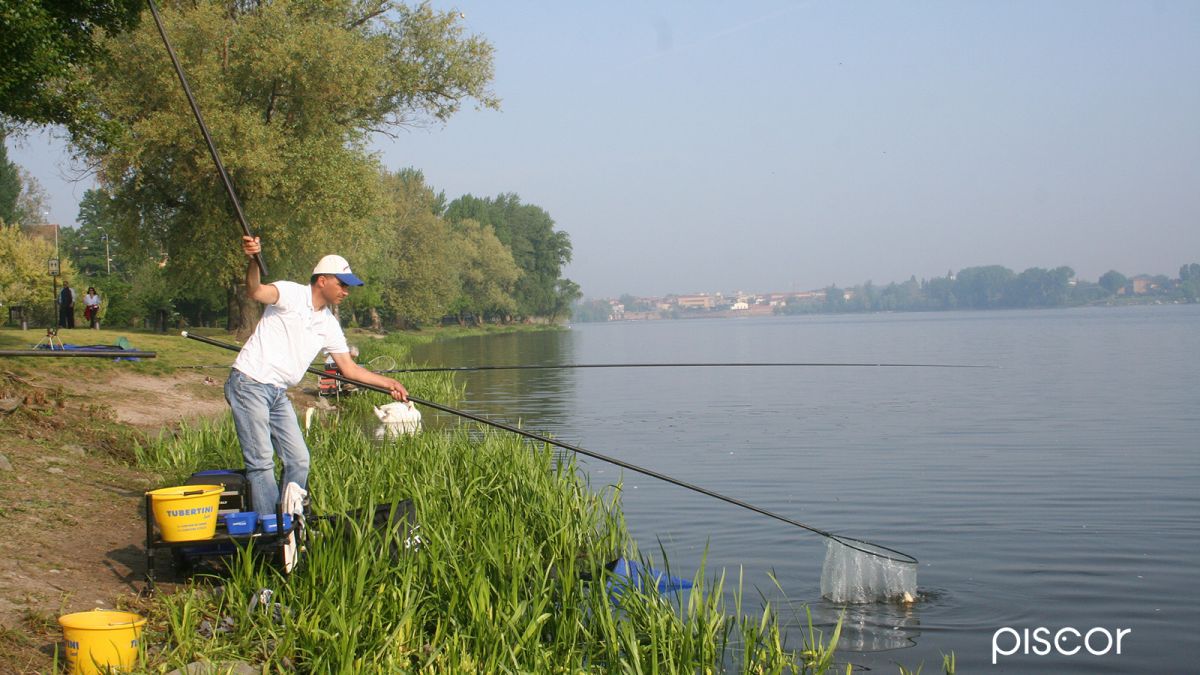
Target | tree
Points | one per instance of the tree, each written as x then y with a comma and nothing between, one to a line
1037,287
412,272
835,299
633,304
1113,281
538,249
45,40
24,278
592,311
291,127
566,293
151,298
940,293
487,272
91,248
10,185
32,202
1189,282
983,287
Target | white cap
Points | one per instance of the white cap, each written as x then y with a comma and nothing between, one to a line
338,267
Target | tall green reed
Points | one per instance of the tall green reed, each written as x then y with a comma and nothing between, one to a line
509,576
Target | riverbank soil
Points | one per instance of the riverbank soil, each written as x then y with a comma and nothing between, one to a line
71,528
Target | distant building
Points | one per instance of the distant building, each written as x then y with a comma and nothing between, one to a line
702,301
1143,284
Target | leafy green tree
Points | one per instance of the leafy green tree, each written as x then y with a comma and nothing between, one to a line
24,278
538,249
592,311
488,274
940,293
983,287
905,296
291,91
1113,281
633,304
151,297
413,267
566,293
1189,282
10,185
89,245
1038,287
835,299
44,41
1087,292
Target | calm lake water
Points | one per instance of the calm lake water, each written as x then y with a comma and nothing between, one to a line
1060,488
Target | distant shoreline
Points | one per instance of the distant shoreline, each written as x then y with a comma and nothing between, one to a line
754,312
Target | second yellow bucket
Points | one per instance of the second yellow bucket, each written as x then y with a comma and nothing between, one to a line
101,641
187,512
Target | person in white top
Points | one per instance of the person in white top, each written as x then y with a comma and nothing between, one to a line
91,307
296,325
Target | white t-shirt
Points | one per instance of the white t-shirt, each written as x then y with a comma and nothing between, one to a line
288,337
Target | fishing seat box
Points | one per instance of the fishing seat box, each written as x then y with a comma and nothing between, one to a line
235,497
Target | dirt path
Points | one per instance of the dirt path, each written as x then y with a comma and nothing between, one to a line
71,530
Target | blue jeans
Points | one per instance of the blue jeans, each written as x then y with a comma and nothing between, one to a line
266,426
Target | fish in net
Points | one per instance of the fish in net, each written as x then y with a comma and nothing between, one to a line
857,572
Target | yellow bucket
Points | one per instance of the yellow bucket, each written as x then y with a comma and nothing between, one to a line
187,512
100,641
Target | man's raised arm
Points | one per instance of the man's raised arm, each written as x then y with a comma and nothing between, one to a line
255,288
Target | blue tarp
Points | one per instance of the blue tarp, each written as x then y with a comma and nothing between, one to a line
632,574
115,349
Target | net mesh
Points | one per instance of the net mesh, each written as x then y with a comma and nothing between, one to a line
861,573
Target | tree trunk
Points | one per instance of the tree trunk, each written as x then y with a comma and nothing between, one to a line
376,322
243,312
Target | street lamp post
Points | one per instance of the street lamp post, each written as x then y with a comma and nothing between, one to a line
53,267
107,256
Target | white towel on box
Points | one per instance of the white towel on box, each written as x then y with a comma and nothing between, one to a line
293,503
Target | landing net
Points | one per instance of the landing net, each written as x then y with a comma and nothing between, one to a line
857,572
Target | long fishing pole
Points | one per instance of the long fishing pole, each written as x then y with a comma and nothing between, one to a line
466,369
212,148
856,544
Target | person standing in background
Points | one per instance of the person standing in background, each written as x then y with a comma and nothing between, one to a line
91,308
66,306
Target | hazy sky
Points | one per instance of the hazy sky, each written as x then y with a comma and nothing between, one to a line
713,146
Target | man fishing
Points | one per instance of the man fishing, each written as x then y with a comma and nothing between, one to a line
296,325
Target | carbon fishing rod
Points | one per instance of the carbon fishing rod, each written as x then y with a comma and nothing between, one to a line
212,148
856,544
466,369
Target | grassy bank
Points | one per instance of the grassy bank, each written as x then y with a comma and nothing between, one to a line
509,576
